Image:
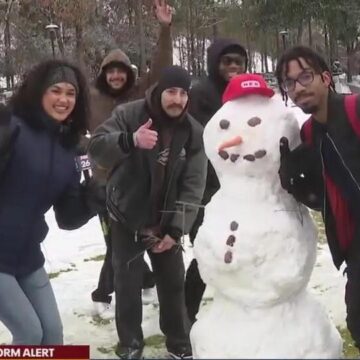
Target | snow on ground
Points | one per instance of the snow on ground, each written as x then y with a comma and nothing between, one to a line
75,254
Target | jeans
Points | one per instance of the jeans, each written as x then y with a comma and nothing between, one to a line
28,309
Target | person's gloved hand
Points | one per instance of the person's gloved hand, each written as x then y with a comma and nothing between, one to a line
95,196
300,173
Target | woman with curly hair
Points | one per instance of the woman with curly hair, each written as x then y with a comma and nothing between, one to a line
38,138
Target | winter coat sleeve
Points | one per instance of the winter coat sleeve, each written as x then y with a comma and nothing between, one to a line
202,109
203,104
104,147
162,57
72,209
191,188
9,132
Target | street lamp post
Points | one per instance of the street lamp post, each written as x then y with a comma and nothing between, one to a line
52,29
283,34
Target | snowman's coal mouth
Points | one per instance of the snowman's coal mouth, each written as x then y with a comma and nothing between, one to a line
223,154
234,157
249,157
259,154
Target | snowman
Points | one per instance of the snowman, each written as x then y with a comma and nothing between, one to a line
257,245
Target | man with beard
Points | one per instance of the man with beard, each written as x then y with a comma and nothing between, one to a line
225,59
324,171
116,84
155,153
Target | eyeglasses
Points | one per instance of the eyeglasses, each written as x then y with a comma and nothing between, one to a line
305,78
229,59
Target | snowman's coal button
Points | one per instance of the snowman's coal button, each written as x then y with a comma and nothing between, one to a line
228,257
260,154
234,157
234,226
249,157
254,121
231,240
223,154
224,124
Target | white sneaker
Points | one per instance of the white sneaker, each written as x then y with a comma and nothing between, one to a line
149,296
104,310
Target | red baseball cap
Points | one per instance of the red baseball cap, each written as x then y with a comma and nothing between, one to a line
246,84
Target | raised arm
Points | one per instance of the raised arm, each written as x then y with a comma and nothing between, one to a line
163,53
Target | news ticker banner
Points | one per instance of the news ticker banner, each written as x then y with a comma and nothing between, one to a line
81,352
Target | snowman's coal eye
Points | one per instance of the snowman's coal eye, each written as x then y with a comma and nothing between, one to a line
224,124
254,121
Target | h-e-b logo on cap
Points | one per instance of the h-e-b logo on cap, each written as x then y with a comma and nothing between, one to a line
250,84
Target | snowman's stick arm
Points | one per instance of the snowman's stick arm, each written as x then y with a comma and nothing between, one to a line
183,204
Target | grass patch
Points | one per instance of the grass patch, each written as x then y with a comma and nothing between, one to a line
78,315
95,258
105,350
98,321
54,275
316,215
349,349
155,341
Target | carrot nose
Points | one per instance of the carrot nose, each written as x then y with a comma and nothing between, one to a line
237,140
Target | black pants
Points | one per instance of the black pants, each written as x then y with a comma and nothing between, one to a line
168,268
352,291
106,279
194,286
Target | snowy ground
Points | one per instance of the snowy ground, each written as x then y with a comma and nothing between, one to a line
72,259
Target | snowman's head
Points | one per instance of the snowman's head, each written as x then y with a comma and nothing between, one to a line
242,138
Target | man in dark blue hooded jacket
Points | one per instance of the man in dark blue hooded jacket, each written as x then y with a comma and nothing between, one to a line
226,58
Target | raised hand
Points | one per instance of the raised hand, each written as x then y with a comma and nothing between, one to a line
163,12
144,137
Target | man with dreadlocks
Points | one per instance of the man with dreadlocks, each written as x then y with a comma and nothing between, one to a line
324,171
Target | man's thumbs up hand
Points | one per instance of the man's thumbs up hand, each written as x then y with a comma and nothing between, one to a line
144,138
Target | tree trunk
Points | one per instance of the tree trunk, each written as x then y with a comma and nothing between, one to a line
299,33
326,42
7,43
140,27
187,39
60,39
79,46
214,19
266,53
348,54
332,42
203,53
277,43
181,51
248,46
192,38
131,23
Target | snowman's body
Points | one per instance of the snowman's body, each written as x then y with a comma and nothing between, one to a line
257,245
